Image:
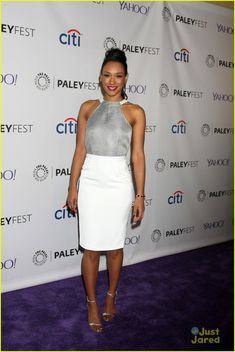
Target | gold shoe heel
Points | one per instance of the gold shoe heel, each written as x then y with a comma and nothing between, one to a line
108,316
96,327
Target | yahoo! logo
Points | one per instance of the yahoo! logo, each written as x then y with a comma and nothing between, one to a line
68,126
182,55
225,29
179,127
64,213
133,7
176,198
136,89
8,175
213,225
72,37
8,264
8,78
132,240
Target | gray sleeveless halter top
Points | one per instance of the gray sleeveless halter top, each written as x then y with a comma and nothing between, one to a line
108,133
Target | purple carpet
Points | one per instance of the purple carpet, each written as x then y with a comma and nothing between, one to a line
159,302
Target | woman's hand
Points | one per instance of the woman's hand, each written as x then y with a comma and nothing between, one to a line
138,211
72,199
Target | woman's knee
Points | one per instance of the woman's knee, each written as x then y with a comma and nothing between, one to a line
116,253
91,255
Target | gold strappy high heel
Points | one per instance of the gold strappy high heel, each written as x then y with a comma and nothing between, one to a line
97,327
108,316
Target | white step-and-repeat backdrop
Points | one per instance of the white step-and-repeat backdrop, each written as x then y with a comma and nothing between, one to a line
180,58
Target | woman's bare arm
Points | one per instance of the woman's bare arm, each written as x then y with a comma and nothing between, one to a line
138,160
80,152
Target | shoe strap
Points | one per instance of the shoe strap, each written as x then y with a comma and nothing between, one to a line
90,301
95,324
112,295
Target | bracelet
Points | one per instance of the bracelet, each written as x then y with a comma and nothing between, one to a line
140,195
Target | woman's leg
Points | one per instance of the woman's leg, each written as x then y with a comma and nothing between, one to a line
114,263
90,266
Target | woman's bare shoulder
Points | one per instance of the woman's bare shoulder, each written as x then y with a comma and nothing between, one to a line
134,108
89,104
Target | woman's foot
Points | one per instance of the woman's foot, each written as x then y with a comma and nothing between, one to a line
94,319
110,306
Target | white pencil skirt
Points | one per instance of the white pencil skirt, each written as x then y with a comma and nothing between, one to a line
105,198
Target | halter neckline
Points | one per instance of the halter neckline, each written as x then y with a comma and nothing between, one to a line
114,102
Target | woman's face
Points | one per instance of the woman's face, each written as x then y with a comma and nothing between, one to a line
113,79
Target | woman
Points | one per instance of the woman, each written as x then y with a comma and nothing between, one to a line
107,130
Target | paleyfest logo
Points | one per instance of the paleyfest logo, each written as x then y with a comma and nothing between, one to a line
110,43
166,14
40,172
156,235
211,61
42,81
164,90
160,165
40,257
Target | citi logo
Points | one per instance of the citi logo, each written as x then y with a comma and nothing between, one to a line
179,127
71,37
64,213
182,55
68,126
176,198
